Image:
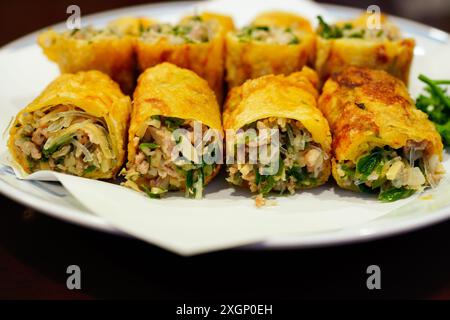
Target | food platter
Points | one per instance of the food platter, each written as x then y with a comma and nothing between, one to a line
23,59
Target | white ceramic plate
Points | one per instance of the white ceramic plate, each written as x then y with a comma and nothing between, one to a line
23,57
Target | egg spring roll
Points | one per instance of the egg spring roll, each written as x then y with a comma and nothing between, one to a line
109,50
77,125
381,142
196,43
287,105
360,43
169,98
274,43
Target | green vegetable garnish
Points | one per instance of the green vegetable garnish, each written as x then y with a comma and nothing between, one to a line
395,194
365,189
294,40
30,163
208,170
154,193
328,32
173,123
142,29
196,18
58,143
181,30
349,172
290,134
266,184
347,26
257,175
148,145
198,185
367,164
264,28
246,33
89,169
298,173
189,182
444,131
379,182
358,34
437,105
302,176
374,163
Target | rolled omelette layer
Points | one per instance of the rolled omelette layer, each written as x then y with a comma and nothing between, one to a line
77,125
274,43
168,98
287,104
282,19
195,43
109,50
381,142
355,44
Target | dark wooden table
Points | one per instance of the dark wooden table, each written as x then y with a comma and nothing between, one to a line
35,250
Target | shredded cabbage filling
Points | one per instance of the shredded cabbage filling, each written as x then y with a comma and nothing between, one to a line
65,139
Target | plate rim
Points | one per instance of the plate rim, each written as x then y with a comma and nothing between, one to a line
312,240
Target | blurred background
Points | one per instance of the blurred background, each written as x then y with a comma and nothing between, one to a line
20,17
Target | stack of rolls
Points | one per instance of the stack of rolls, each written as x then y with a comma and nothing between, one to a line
278,132
128,46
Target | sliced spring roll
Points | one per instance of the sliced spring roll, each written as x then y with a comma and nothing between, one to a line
168,98
77,125
109,50
353,43
280,46
196,43
381,142
287,104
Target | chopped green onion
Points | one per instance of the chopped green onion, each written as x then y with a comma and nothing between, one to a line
89,169
328,32
148,145
395,194
58,143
